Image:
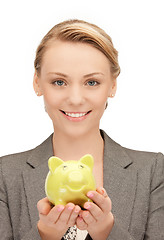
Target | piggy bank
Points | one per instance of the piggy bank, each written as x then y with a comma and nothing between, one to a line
69,181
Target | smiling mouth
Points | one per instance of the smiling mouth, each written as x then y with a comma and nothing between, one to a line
75,114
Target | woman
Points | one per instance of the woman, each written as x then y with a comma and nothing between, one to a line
76,69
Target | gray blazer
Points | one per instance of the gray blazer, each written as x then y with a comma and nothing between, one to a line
134,180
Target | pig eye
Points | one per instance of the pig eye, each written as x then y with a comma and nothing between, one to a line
81,166
64,167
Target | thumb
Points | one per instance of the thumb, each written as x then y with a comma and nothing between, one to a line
102,191
44,206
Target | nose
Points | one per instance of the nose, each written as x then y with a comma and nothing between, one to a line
76,96
75,177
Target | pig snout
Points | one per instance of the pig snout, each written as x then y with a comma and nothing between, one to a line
76,179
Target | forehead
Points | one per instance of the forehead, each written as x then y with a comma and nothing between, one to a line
64,54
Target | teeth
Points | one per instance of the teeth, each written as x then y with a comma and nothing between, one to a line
75,115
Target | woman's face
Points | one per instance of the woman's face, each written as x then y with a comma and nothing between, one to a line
75,81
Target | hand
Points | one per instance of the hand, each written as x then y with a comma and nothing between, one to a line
55,220
97,219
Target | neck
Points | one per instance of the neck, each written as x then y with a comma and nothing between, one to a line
73,148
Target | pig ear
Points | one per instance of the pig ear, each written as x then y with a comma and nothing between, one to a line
53,163
87,160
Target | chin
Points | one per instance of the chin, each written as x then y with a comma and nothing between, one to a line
77,132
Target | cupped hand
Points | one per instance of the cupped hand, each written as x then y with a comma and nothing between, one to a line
97,219
55,220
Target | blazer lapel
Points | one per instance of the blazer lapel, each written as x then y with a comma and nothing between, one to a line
120,181
34,177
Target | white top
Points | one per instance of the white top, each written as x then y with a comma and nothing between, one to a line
81,234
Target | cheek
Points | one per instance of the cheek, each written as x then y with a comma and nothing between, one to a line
99,109
51,99
100,100
48,102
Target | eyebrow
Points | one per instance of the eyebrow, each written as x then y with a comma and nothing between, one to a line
94,73
87,75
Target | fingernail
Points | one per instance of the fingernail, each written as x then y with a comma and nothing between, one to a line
102,190
60,209
87,206
90,194
70,208
77,210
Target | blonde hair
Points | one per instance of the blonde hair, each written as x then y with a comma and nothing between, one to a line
79,31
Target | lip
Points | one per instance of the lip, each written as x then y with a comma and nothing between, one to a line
76,119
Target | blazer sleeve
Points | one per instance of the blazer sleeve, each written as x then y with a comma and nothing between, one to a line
32,234
155,224
155,221
5,224
6,231
117,233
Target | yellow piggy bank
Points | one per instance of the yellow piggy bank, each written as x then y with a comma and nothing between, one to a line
69,181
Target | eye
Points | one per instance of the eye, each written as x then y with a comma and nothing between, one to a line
81,166
92,83
64,167
59,83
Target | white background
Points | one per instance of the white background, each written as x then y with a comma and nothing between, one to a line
134,118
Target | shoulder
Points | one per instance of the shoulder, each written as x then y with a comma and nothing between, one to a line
146,161
144,157
18,161
137,159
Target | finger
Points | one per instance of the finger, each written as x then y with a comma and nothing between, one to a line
66,213
74,215
81,224
102,202
44,206
88,218
94,210
55,213
102,191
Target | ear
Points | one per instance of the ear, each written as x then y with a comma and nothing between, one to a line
53,163
113,88
36,84
87,160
